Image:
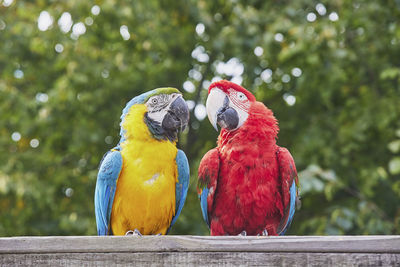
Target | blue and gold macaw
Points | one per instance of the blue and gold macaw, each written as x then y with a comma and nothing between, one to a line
142,183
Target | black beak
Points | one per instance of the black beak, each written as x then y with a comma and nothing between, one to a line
177,117
227,117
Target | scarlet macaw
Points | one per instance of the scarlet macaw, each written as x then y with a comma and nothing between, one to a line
247,184
142,183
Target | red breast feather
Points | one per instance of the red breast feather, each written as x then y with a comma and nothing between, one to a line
248,194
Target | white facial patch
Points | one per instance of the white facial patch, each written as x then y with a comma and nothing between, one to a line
158,116
158,105
239,102
242,114
239,99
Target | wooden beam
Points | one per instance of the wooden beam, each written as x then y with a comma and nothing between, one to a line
201,250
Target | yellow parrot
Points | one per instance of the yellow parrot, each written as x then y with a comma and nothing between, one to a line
142,183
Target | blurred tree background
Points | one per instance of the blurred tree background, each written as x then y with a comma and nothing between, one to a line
329,70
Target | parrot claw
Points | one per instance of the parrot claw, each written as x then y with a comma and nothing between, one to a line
243,233
135,232
264,233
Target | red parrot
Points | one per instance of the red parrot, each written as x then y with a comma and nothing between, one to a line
247,185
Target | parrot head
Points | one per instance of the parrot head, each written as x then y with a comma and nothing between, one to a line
228,105
166,112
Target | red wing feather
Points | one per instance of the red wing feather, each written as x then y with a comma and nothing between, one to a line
288,175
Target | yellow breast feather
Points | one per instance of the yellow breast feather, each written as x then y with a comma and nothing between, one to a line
145,194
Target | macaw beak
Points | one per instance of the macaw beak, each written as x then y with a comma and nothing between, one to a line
177,116
220,112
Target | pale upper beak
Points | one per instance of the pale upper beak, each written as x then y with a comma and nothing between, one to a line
215,101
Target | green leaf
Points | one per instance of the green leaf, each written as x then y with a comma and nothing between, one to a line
390,73
394,165
394,146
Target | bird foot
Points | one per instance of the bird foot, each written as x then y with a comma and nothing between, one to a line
243,233
264,233
135,232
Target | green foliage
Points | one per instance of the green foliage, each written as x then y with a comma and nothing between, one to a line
331,78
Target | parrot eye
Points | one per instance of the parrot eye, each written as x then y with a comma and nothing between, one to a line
157,103
241,96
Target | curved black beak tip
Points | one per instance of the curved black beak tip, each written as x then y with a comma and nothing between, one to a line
177,117
227,118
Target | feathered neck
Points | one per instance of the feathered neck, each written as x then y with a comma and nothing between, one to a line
260,127
133,125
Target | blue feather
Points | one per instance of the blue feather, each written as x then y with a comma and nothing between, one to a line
203,205
107,177
292,208
182,185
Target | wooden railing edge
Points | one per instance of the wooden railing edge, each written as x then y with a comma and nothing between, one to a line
170,243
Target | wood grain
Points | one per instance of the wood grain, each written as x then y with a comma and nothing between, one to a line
202,251
200,259
361,244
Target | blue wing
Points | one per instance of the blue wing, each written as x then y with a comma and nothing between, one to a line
292,208
109,171
289,179
204,205
182,185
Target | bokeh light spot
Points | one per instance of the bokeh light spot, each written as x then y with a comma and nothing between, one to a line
34,143
189,87
296,72
311,17
123,30
289,99
321,9
65,22
278,37
258,51
200,28
16,136
200,112
95,10
19,74
45,21
59,48
333,16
